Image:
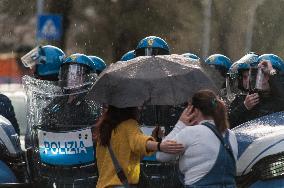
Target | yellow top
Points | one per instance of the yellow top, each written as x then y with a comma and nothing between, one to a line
129,146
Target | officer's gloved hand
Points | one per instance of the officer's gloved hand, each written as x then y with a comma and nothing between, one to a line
251,100
266,67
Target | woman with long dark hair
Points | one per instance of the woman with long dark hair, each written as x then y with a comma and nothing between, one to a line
119,129
209,159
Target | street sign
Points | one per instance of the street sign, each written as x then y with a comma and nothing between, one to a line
49,27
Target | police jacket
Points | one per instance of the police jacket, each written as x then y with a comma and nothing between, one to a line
163,115
7,110
269,103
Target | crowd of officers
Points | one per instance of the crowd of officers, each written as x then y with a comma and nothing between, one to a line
236,81
252,86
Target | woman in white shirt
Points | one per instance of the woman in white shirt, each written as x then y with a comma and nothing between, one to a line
209,159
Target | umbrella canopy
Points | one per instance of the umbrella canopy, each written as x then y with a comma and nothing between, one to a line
150,80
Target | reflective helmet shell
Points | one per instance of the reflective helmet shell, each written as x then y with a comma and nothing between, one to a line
250,59
50,61
238,67
153,42
81,59
99,63
76,72
191,56
127,56
219,60
275,60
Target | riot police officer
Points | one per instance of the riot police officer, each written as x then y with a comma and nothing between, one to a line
69,114
75,79
153,115
217,66
220,62
46,64
238,76
276,80
265,88
152,45
153,173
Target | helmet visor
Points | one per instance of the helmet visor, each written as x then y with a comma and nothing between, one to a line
232,86
73,76
31,58
150,52
257,79
252,78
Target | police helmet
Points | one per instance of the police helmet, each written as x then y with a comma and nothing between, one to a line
220,62
251,59
247,61
235,73
191,56
128,56
75,71
49,61
275,60
151,46
100,64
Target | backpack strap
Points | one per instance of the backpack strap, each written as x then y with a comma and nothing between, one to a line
118,169
227,146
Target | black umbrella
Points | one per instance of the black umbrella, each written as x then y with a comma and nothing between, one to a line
150,80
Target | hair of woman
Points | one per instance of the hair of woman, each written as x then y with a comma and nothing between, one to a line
111,119
210,105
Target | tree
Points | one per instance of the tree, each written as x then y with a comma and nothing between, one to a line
116,26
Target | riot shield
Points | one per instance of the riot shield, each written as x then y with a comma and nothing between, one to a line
59,141
261,152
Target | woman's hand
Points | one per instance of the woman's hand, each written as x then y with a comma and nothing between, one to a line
188,116
172,147
158,133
